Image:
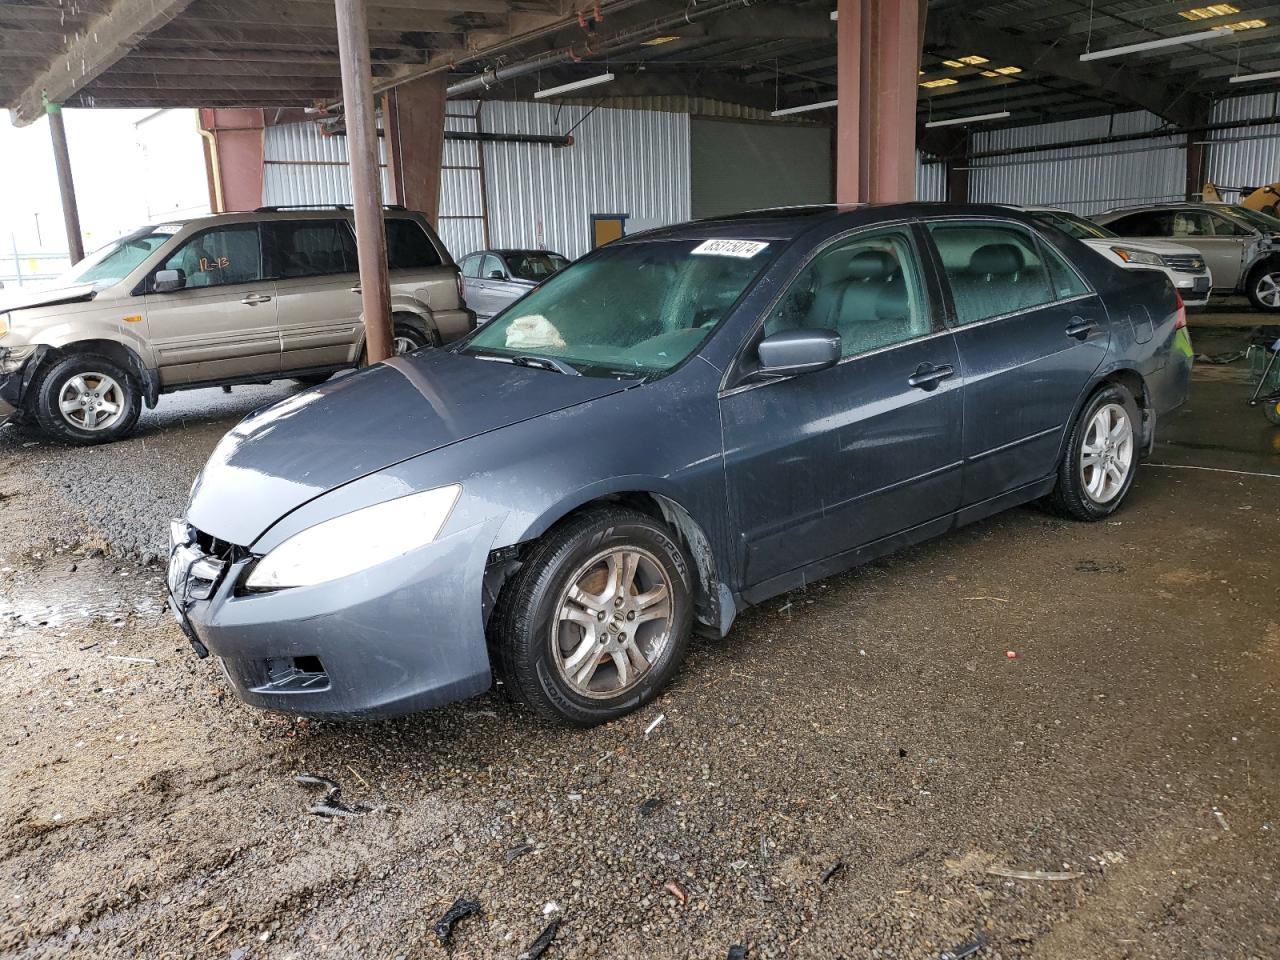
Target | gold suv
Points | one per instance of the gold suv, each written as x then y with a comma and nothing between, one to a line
231,298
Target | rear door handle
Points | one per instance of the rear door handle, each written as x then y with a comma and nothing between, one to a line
1081,328
928,376
356,288
253,299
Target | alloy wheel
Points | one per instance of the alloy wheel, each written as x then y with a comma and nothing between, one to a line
1106,456
1267,290
612,622
91,401
403,345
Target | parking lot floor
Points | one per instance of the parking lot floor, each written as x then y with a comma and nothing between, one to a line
854,772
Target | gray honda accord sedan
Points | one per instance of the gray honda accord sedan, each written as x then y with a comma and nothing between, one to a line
679,425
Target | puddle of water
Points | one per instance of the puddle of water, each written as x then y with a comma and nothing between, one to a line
63,604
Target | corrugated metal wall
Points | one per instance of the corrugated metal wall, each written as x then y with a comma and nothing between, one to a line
461,223
1245,156
931,179
303,166
1084,179
633,162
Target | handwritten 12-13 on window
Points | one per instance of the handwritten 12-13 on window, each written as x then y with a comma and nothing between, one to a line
221,256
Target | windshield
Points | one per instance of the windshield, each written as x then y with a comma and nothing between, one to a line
629,308
1070,224
535,265
115,261
1256,219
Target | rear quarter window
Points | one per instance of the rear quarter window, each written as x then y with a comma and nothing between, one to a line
409,247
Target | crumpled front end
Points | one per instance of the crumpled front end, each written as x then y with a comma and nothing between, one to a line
402,636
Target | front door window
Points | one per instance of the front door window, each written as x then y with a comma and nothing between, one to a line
221,256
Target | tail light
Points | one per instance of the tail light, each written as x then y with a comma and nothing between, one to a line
1180,312
462,291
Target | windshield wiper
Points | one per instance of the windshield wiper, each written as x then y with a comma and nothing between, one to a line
546,363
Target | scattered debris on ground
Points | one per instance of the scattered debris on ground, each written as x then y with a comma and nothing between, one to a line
461,908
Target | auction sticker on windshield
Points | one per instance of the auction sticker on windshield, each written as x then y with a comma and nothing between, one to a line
746,249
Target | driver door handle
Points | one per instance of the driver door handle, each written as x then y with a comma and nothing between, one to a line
356,289
1081,328
928,376
253,299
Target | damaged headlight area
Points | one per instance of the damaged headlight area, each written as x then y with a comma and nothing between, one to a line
355,541
12,358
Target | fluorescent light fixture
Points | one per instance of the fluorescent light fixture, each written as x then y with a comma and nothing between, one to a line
973,60
1157,44
787,111
1205,13
974,119
940,82
576,85
835,14
1008,70
1246,25
1250,77
657,41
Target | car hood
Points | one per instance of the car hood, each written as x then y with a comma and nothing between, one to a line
48,296
284,455
1160,247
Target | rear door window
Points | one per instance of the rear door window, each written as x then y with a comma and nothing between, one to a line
471,265
1065,281
992,269
1191,223
310,248
219,257
409,247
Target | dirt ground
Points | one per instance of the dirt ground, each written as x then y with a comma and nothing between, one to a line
850,774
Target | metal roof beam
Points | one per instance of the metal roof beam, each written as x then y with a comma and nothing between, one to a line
107,39
1177,105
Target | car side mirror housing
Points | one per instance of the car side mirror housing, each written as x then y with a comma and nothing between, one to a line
792,352
167,281
496,275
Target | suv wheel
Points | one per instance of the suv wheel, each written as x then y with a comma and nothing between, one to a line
596,621
1101,457
1264,287
87,398
408,336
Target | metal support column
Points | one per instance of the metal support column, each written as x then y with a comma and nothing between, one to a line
66,187
366,184
878,50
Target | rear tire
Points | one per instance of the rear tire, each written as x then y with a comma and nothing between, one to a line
1100,458
583,639
410,335
86,398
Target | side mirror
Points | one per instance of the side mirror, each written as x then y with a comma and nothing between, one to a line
167,281
496,275
791,352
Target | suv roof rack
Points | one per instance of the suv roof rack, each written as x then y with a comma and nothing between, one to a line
320,206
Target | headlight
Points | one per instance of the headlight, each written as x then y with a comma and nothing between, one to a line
355,541
1138,256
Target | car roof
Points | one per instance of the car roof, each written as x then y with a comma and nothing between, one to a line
786,223
1170,205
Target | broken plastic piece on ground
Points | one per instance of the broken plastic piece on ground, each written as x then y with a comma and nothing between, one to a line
832,870
654,724
539,946
550,907
1034,874
461,908
515,853
331,805
1011,654
650,806
964,950
737,952
676,891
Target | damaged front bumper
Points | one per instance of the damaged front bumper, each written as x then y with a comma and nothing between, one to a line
17,369
403,636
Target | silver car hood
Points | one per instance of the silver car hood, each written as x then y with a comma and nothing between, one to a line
23,298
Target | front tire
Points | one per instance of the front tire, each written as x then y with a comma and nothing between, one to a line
597,620
1263,287
87,398
1101,456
